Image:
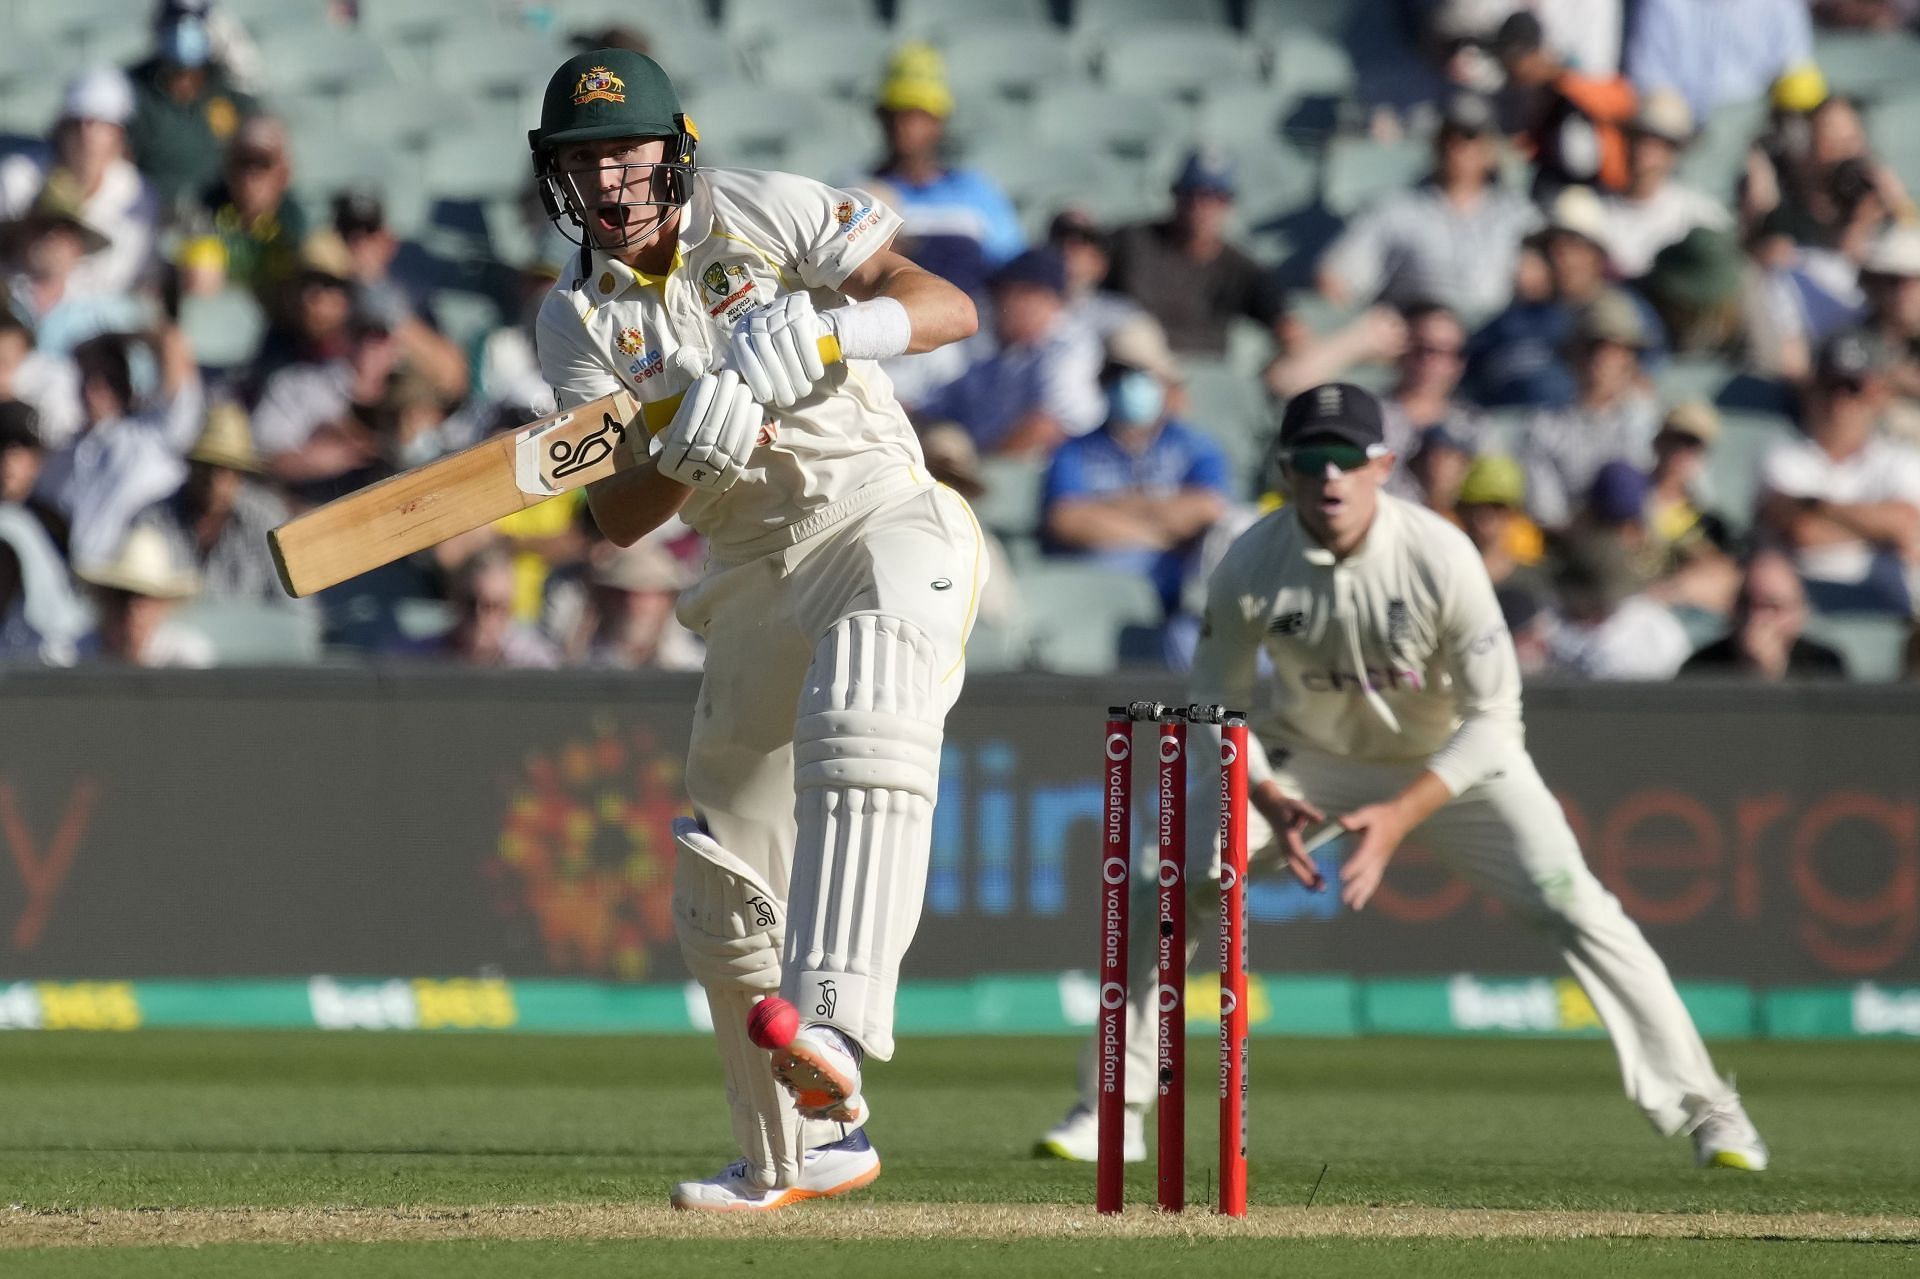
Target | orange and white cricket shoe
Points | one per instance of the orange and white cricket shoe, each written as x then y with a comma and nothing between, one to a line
821,1068
825,1171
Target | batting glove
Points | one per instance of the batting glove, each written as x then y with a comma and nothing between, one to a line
707,444
777,350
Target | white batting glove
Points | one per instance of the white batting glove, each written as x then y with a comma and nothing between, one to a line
712,434
777,350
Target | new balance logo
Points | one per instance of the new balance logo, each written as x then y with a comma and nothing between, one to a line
1288,623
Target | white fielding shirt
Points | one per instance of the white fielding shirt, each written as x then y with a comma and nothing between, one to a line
1397,653
746,238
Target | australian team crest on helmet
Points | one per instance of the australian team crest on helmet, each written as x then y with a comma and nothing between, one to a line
630,341
598,84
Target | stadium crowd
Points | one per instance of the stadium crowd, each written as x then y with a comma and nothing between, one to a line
1638,282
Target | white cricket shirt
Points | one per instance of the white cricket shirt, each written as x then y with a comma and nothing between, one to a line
1397,653
746,239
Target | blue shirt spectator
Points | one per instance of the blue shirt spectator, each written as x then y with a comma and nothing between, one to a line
1042,384
1140,492
1716,51
959,224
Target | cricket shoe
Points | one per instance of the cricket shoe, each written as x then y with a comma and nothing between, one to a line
1723,1137
825,1171
821,1068
1077,1137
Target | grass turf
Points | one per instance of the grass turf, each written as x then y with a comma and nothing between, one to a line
187,1120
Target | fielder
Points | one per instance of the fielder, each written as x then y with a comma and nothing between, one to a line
1395,702
838,595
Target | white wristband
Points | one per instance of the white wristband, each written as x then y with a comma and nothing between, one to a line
876,329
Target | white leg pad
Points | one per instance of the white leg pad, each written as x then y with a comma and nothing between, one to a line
866,772
731,927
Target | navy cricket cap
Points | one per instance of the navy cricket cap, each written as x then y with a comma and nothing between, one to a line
1334,413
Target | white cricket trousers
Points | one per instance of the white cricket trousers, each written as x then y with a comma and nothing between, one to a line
1508,836
909,564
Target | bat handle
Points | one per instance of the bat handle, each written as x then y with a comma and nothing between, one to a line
657,413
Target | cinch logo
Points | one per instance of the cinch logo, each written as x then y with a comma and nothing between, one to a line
1336,681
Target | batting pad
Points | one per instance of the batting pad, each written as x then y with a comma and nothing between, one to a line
866,771
730,927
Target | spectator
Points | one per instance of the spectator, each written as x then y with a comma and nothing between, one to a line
1608,629
1088,255
1520,357
1655,211
43,248
1780,163
135,595
218,520
958,222
1574,119
484,632
629,623
1680,453
251,213
1890,278
127,454
1424,398
360,220
1434,471
326,429
1455,239
311,318
1491,507
1765,642
1184,272
47,383
1613,416
1698,288
186,110
41,620
1716,52
1142,491
1844,499
1042,385
953,461
22,457
89,162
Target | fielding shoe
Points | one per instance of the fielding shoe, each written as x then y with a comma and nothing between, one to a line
821,1068
1723,1137
1077,1137
825,1171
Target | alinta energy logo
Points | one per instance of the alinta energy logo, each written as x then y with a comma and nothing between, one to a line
586,851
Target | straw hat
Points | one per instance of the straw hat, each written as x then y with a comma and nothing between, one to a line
227,440
144,566
58,204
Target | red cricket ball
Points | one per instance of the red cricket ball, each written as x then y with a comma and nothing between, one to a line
773,1023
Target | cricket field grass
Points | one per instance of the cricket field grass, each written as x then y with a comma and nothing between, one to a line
333,1154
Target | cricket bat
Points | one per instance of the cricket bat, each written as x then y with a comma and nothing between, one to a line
505,473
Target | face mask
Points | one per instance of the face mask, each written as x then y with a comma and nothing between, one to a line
1136,399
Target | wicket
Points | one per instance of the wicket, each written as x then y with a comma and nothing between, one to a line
1116,877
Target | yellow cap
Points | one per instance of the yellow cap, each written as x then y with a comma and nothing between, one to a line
1800,89
917,81
1494,480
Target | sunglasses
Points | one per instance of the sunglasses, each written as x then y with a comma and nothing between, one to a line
1316,458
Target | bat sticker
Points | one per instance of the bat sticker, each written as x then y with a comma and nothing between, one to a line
569,457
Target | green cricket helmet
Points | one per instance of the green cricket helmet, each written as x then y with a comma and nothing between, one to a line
597,96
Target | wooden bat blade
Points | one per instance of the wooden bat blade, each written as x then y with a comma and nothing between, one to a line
452,495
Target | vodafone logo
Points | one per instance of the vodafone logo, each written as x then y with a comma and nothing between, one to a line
1229,1002
1114,870
1169,874
1112,996
1169,999
1229,878
1228,752
1119,746
1169,749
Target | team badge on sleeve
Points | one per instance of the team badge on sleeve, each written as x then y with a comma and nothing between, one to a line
598,84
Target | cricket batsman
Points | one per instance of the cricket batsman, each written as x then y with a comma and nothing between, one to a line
1394,703
839,590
